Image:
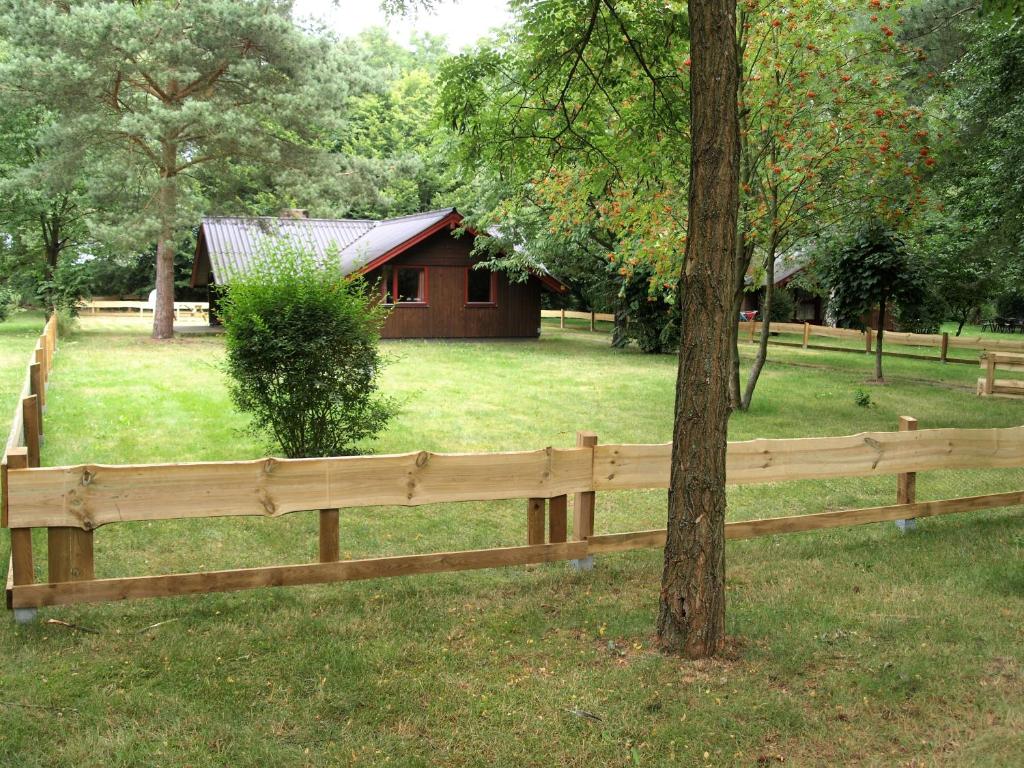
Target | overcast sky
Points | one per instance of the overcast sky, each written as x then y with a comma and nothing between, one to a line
461,21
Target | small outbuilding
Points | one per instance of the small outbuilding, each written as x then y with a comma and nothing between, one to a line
421,268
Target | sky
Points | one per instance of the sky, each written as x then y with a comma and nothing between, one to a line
463,22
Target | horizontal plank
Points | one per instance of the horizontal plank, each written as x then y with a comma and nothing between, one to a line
88,496
750,529
979,342
619,467
98,590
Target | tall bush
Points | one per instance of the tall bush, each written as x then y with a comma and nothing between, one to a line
302,351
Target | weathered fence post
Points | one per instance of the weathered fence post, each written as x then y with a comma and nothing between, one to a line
583,509
753,328
22,568
867,340
906,482
37,388
535,521
807,334
330,545
30,420
944,349
990,373
561,318
41,362
593,321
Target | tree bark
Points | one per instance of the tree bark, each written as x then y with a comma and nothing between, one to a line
691,618
167,203
878,339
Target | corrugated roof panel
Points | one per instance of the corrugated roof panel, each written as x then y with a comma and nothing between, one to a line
233,240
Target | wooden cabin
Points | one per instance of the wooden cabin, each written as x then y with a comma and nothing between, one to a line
422,270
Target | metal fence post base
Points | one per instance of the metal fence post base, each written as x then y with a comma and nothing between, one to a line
906,526
25,615
586,564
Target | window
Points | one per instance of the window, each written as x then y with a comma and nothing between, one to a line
407,284
481,285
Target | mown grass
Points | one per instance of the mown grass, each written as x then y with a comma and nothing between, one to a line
858,646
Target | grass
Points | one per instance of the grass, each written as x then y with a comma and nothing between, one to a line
858,646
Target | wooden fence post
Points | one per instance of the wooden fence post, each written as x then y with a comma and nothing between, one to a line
30,420
535,521
753,328
22,567
944,349
561,319
41,362
990,373
37,388
906,482
583,508
593,321
807,334
557,519
330,545
867,340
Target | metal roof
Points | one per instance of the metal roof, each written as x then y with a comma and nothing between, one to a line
231,241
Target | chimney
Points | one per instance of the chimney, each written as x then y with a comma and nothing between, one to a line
294,213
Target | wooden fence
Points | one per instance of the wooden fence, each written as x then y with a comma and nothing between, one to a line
190,308
71,502
593,317
942,342
751,329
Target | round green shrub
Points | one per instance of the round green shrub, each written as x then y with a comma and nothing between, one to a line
303,351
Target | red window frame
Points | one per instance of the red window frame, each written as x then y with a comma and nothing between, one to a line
494,291
392,278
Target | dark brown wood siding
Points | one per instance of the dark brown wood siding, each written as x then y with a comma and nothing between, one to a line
516,313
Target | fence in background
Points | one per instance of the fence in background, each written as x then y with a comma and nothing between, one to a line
593,317
72,502
989,385
751,329
189,308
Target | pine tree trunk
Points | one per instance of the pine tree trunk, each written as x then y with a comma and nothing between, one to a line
167,201
691,618
878,339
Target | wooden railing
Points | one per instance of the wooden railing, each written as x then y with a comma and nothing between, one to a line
191,308
989,385
942,342
71,502
593,317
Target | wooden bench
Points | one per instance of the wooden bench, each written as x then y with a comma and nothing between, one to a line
990,386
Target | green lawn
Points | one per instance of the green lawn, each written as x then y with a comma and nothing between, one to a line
859,646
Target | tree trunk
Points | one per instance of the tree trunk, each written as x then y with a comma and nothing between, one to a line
691,618
167,203
619,338
744,253
963,320
766,321
878,340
